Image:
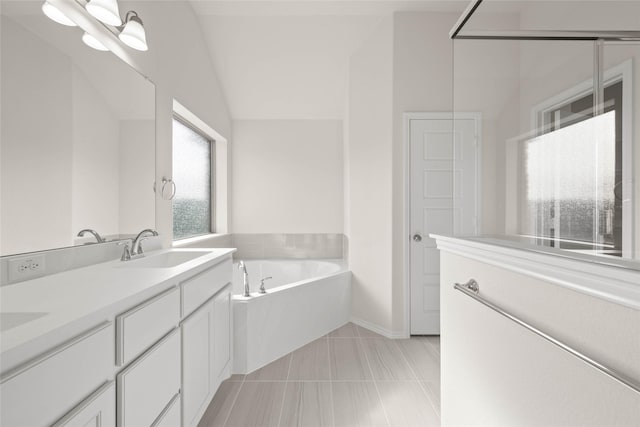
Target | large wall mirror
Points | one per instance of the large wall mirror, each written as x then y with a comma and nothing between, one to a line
78,137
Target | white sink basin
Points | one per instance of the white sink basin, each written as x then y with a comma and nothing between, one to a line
163,260
13,320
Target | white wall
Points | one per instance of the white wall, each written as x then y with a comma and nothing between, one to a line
369,150
287,176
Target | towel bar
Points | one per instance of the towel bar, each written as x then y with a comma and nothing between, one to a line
472,289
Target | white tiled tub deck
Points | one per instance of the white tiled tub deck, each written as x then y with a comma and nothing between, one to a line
351,377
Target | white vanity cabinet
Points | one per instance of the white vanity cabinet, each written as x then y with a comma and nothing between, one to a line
205,354
197,364
206,343
157,361
49,387
148,344
98,410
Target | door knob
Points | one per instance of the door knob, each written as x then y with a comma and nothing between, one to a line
417,238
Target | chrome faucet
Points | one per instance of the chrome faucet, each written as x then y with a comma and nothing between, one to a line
245,278
136,247
126,253
262,289
90,231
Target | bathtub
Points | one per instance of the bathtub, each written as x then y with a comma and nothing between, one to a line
305,300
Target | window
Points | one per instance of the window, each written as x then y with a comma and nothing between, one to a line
193,155
573,176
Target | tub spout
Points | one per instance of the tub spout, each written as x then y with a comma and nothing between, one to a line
245,278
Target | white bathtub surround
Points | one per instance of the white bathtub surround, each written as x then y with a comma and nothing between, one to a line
490,363
288,245
304,301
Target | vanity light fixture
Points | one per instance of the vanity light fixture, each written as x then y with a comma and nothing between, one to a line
105,11
57,15
133,34
93,42
130,32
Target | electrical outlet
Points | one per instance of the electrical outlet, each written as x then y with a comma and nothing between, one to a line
26,268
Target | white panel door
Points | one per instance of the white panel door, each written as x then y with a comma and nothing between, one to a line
443,167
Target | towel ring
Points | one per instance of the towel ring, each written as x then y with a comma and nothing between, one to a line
166,181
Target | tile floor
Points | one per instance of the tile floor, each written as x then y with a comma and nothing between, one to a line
351,377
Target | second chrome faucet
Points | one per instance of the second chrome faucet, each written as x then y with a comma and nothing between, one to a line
136,245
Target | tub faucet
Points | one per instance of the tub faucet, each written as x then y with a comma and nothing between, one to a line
262,289
136,247
245,278
90,231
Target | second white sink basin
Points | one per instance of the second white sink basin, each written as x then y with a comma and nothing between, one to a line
164,260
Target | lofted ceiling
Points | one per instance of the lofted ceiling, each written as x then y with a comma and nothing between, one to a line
289,59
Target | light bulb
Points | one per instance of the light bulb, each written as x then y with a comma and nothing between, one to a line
56,15
93,42
105,11
133,34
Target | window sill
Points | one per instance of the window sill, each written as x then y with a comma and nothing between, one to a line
199,240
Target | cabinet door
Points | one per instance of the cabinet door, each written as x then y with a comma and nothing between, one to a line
99,410
197,356
222,334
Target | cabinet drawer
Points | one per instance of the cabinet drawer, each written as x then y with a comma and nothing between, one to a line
142,326
146,387
201,287
97,410
45,389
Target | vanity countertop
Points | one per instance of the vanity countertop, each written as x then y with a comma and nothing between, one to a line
42,313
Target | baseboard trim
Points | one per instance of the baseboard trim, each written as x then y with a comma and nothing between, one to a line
377,329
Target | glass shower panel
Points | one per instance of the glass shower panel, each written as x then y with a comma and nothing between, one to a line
620,63
554,169
546,164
